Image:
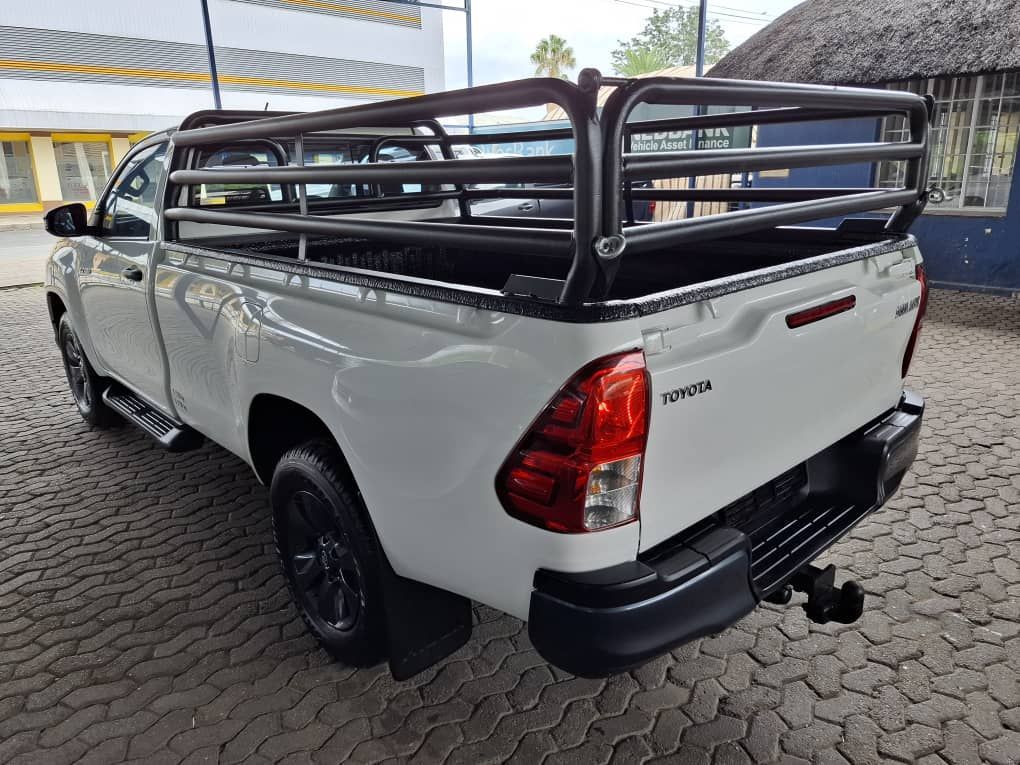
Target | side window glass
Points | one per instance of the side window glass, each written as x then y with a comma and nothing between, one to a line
130,206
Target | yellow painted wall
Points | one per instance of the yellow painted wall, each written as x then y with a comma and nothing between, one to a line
120,148
45,162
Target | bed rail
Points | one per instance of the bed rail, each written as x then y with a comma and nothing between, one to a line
598,177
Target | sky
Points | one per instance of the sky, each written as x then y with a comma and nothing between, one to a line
506,31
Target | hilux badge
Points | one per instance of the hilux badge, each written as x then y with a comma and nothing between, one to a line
903,308
686,391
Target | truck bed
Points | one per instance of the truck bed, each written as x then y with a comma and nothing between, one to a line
649,273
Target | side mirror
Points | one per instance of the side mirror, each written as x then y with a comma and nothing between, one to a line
67,220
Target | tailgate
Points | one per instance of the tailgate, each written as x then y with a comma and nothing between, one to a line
738,397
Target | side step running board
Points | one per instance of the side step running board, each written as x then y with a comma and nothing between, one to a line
172,435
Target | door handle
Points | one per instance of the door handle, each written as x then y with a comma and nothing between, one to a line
132,273
526,206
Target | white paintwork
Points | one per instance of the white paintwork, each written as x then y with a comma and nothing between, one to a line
426,398
778,395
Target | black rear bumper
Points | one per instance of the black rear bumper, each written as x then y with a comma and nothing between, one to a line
698,583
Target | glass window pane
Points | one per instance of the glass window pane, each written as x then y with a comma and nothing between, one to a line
894,128
984,140
946,195
17,184
943,89
892,174
992,86
1011,85
83,168
965,88
129,210
238,193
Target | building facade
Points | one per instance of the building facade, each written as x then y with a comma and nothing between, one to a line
964,55
81,82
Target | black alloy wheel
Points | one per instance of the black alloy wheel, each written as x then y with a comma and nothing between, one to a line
330,555
86,386
325,569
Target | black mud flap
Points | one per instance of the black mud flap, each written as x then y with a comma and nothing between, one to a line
424,624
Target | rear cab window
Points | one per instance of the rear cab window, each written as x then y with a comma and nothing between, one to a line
318,151
236,194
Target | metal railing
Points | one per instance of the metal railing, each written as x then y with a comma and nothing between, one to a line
771,103
598,177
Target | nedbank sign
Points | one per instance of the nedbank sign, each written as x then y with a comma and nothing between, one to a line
672,140
683,140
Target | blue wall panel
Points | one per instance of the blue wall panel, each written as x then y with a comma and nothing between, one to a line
811,133
966,252
973,253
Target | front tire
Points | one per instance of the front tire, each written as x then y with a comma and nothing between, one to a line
329,553
86,386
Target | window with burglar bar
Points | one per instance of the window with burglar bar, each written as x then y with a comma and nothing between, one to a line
974,139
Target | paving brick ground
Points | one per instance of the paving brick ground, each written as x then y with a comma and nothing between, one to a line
142,616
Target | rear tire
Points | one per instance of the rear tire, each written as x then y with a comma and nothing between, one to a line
86,386
329,552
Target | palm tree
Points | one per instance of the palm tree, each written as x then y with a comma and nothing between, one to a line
553,57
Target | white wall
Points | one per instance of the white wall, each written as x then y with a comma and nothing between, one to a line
59,105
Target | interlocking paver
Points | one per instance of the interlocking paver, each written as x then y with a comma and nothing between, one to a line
142,615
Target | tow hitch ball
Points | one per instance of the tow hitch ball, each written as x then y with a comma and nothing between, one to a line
825,603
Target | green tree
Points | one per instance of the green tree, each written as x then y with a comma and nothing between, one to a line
672,36
635,61
553,57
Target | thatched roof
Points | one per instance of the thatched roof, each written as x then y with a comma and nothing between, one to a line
871,41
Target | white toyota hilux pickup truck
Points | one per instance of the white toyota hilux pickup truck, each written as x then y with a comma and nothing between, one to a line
626,433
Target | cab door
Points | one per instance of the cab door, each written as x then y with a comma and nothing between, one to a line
116,275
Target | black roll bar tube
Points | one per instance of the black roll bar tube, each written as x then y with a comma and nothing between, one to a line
275,147
748,117
512,136
917,171
408,140
598,176
446,149
525,169
578,102
725,119
676,164
528,192
354,203
722,92
686,230
737,194
396,113
401,140
617,169
525,240
750,194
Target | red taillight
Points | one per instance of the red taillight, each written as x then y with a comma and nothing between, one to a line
819,312
922,306
578,467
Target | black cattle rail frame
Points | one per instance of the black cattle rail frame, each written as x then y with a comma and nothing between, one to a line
598,177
